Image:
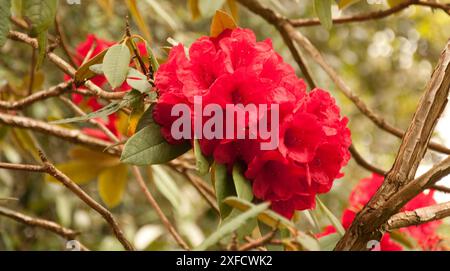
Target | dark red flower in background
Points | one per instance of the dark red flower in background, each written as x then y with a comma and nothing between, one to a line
424,234
85,51
234,68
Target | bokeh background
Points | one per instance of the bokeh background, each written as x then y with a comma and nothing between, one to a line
386,62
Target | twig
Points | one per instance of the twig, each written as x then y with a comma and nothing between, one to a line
359,159
22,167
260,242
54,172
63,41
32,71
441,188
72,135
158,210
418,216
38,96
375,15
41,223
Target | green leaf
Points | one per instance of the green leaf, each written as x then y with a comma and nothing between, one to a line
148,147
331,217
5,13
97,68
243,186
101,113
232,225
328,242
166,185
138,80
41,15
323,11
268,217
153,60
146,119
224,188
116,64
42,40
201,162
84,72
308,242
130,99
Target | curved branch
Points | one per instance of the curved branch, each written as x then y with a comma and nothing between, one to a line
41,223
38,96
75,136
374,15
359,159
418,216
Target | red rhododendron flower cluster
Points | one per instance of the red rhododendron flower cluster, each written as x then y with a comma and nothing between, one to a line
424,234
85,51
234,68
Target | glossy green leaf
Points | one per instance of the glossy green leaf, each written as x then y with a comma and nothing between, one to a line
323,11
116,64
232,225
148,147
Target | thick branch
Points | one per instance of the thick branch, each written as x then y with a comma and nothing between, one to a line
418,216
377,211
38,96
41,223
375,15
75,136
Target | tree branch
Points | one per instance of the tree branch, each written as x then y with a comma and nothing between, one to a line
61,177
375,15
38,96
359,159
418,216
41,223
75,136
377,211
158,210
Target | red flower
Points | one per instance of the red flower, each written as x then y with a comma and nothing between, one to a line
424,234
233,69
